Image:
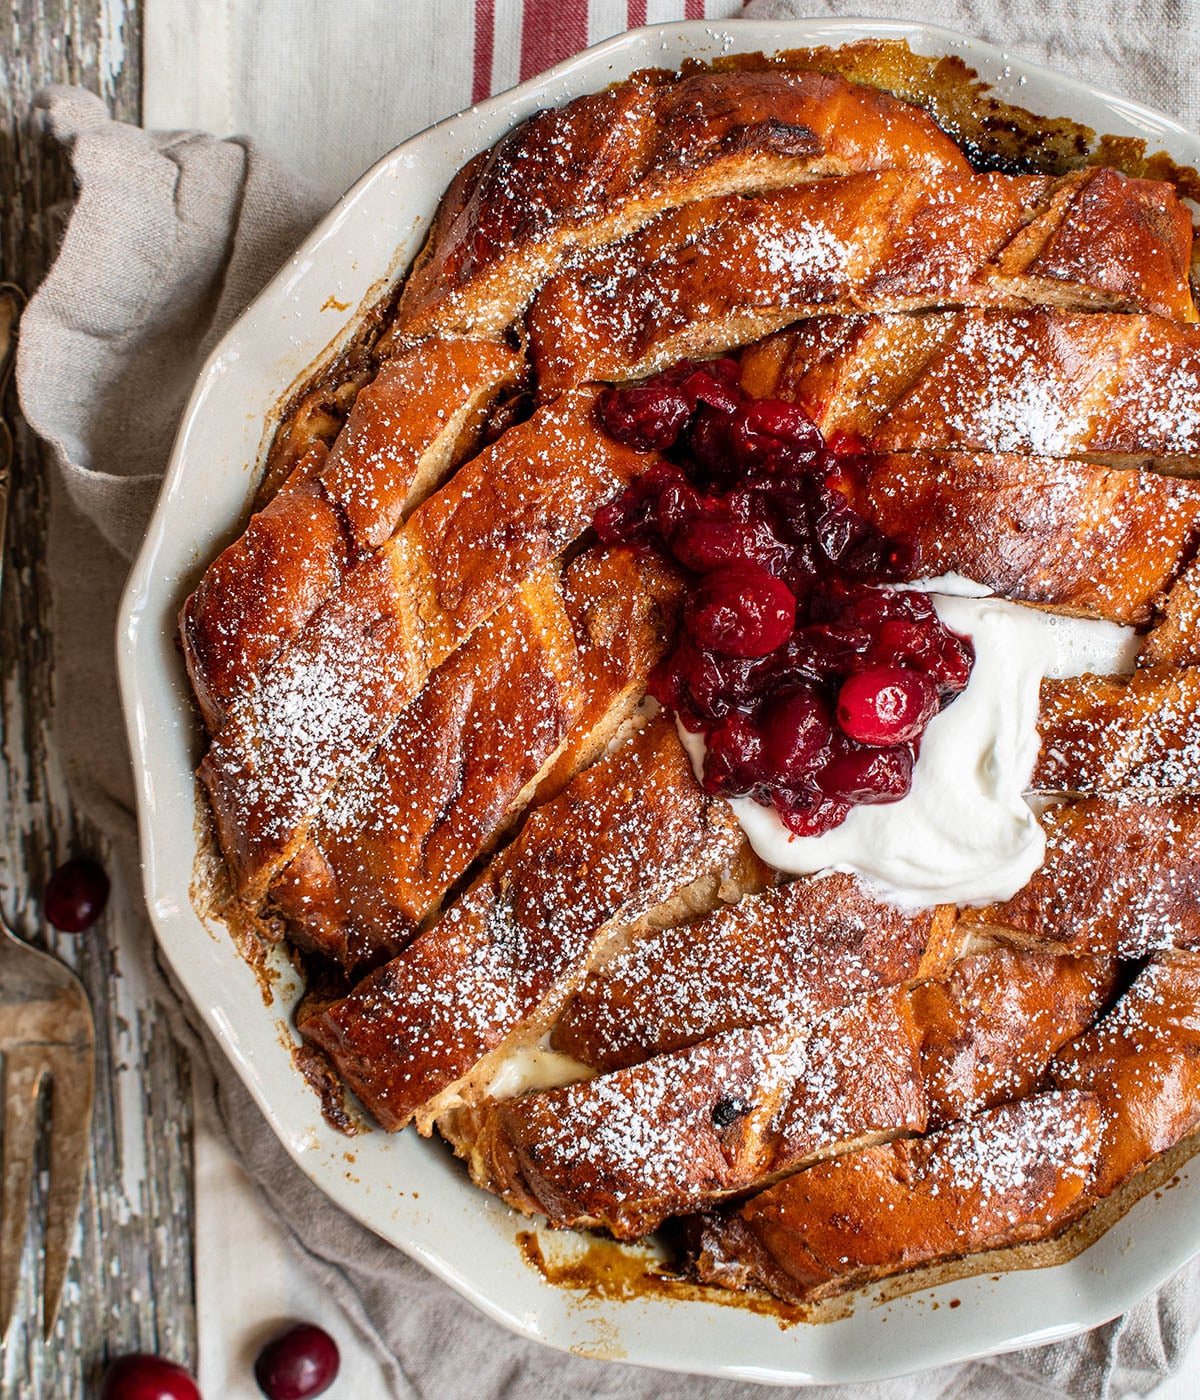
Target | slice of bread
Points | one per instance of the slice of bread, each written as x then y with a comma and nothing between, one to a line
1083,538
1117,389
682,1130
1018,1172
719,274
424,1032
607,163
1113,734
794,952
331,696
532,696
1121,878
406,432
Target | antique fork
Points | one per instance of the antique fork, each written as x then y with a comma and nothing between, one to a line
46,1039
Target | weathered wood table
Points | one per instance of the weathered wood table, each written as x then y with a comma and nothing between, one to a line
130,1285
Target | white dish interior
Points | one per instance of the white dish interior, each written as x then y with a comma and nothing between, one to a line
407,1189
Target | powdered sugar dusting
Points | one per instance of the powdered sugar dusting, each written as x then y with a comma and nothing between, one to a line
787,955
335,694
668,1134
1121,877
1105,736
735,1043
1008,1151
622,837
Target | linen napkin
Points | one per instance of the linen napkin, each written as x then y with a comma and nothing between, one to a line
170,237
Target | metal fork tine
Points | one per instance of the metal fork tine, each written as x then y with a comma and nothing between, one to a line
24,1070
71,1088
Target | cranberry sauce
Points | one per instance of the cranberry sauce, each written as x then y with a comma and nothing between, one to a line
811,683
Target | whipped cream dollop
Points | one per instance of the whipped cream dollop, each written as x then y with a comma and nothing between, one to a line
965,833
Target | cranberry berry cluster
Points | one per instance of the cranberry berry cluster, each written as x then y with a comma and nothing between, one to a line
810,682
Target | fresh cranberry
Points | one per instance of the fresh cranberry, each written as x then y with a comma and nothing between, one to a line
76,895
796,732
792,502
685,679
954,662
666,682
886,706
646,417
867,775
934,648
694,377
298,1364
704,544
741,610
809,816
652,415
705,684
734,763
144,1377
629,518
802,569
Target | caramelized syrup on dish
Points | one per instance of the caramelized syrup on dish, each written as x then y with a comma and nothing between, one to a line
993,134
604,1269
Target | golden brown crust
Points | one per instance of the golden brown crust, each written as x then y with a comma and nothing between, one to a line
261,591
1116,388
794,952
1015,1173
1174,640
548,676
397,833
1121,878
623,605
607,162
1143,1064
418,418
676,1132
992,1024
1072,535
1128,239
722,272
623,836
680,1131
1120,733
330,697
314,421
717,274
845,371
995,134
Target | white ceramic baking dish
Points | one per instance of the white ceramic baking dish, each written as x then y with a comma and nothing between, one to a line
407,1189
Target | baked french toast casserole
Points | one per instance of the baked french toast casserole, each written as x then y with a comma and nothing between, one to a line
709,689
